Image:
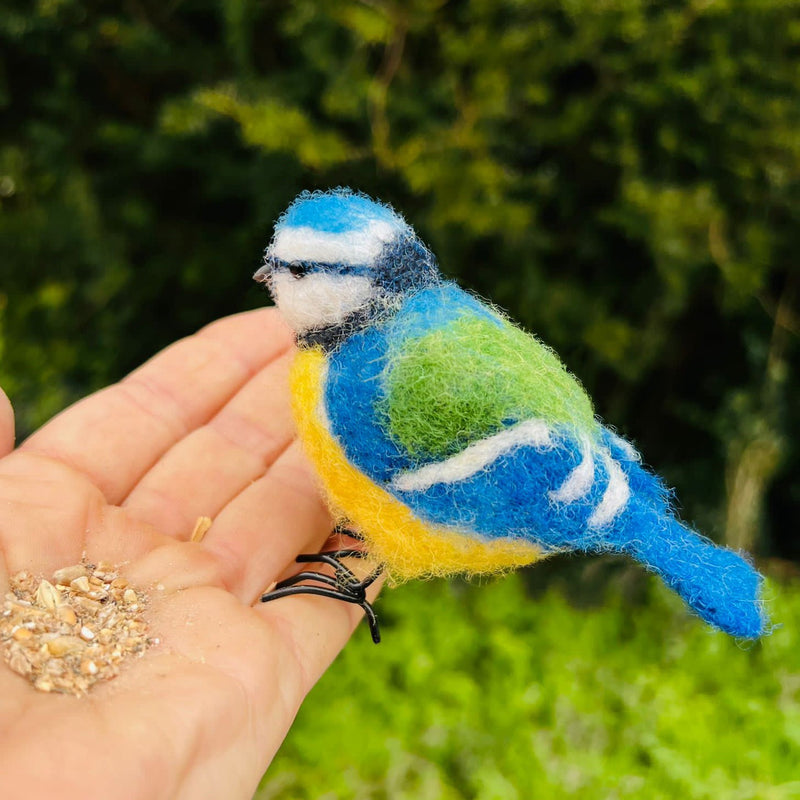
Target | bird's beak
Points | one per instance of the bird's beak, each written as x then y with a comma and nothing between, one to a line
263,274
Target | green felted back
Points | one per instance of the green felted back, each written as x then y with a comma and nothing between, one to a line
472,378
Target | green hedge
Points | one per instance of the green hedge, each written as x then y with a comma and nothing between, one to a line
489,692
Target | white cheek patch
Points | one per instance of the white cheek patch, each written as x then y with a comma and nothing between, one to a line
320,299
349,247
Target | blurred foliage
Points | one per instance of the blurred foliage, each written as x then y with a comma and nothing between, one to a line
621,176
486,692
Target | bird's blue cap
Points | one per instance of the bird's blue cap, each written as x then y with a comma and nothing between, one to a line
338,211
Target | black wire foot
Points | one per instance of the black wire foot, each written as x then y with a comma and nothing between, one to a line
342,585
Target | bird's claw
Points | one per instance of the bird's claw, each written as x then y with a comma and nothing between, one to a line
342,585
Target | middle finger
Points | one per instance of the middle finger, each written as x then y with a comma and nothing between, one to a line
207,469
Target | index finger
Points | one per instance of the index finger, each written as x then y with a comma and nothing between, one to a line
6,425
114,436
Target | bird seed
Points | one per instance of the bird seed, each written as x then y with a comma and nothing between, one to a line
73,631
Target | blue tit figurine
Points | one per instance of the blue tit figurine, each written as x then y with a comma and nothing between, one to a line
450,440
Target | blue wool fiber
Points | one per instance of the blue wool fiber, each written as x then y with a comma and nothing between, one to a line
337,212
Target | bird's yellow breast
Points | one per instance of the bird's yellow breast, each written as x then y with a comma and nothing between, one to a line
395,536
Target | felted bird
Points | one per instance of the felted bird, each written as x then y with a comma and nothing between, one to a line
450,440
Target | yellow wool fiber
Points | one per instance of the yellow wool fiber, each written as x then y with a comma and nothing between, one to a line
406,546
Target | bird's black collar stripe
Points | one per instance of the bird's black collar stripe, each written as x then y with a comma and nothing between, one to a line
330,337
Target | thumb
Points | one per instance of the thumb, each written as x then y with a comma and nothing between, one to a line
6,425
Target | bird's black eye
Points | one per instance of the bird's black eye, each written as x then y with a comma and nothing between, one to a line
298,270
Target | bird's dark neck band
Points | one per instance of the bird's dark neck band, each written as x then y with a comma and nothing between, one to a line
331,336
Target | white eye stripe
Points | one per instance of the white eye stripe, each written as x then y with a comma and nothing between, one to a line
320,299
350,247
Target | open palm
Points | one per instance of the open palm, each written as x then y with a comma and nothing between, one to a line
203,428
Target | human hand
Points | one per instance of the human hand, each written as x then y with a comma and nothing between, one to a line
203,428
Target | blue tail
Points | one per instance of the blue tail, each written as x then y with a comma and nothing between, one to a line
721,587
